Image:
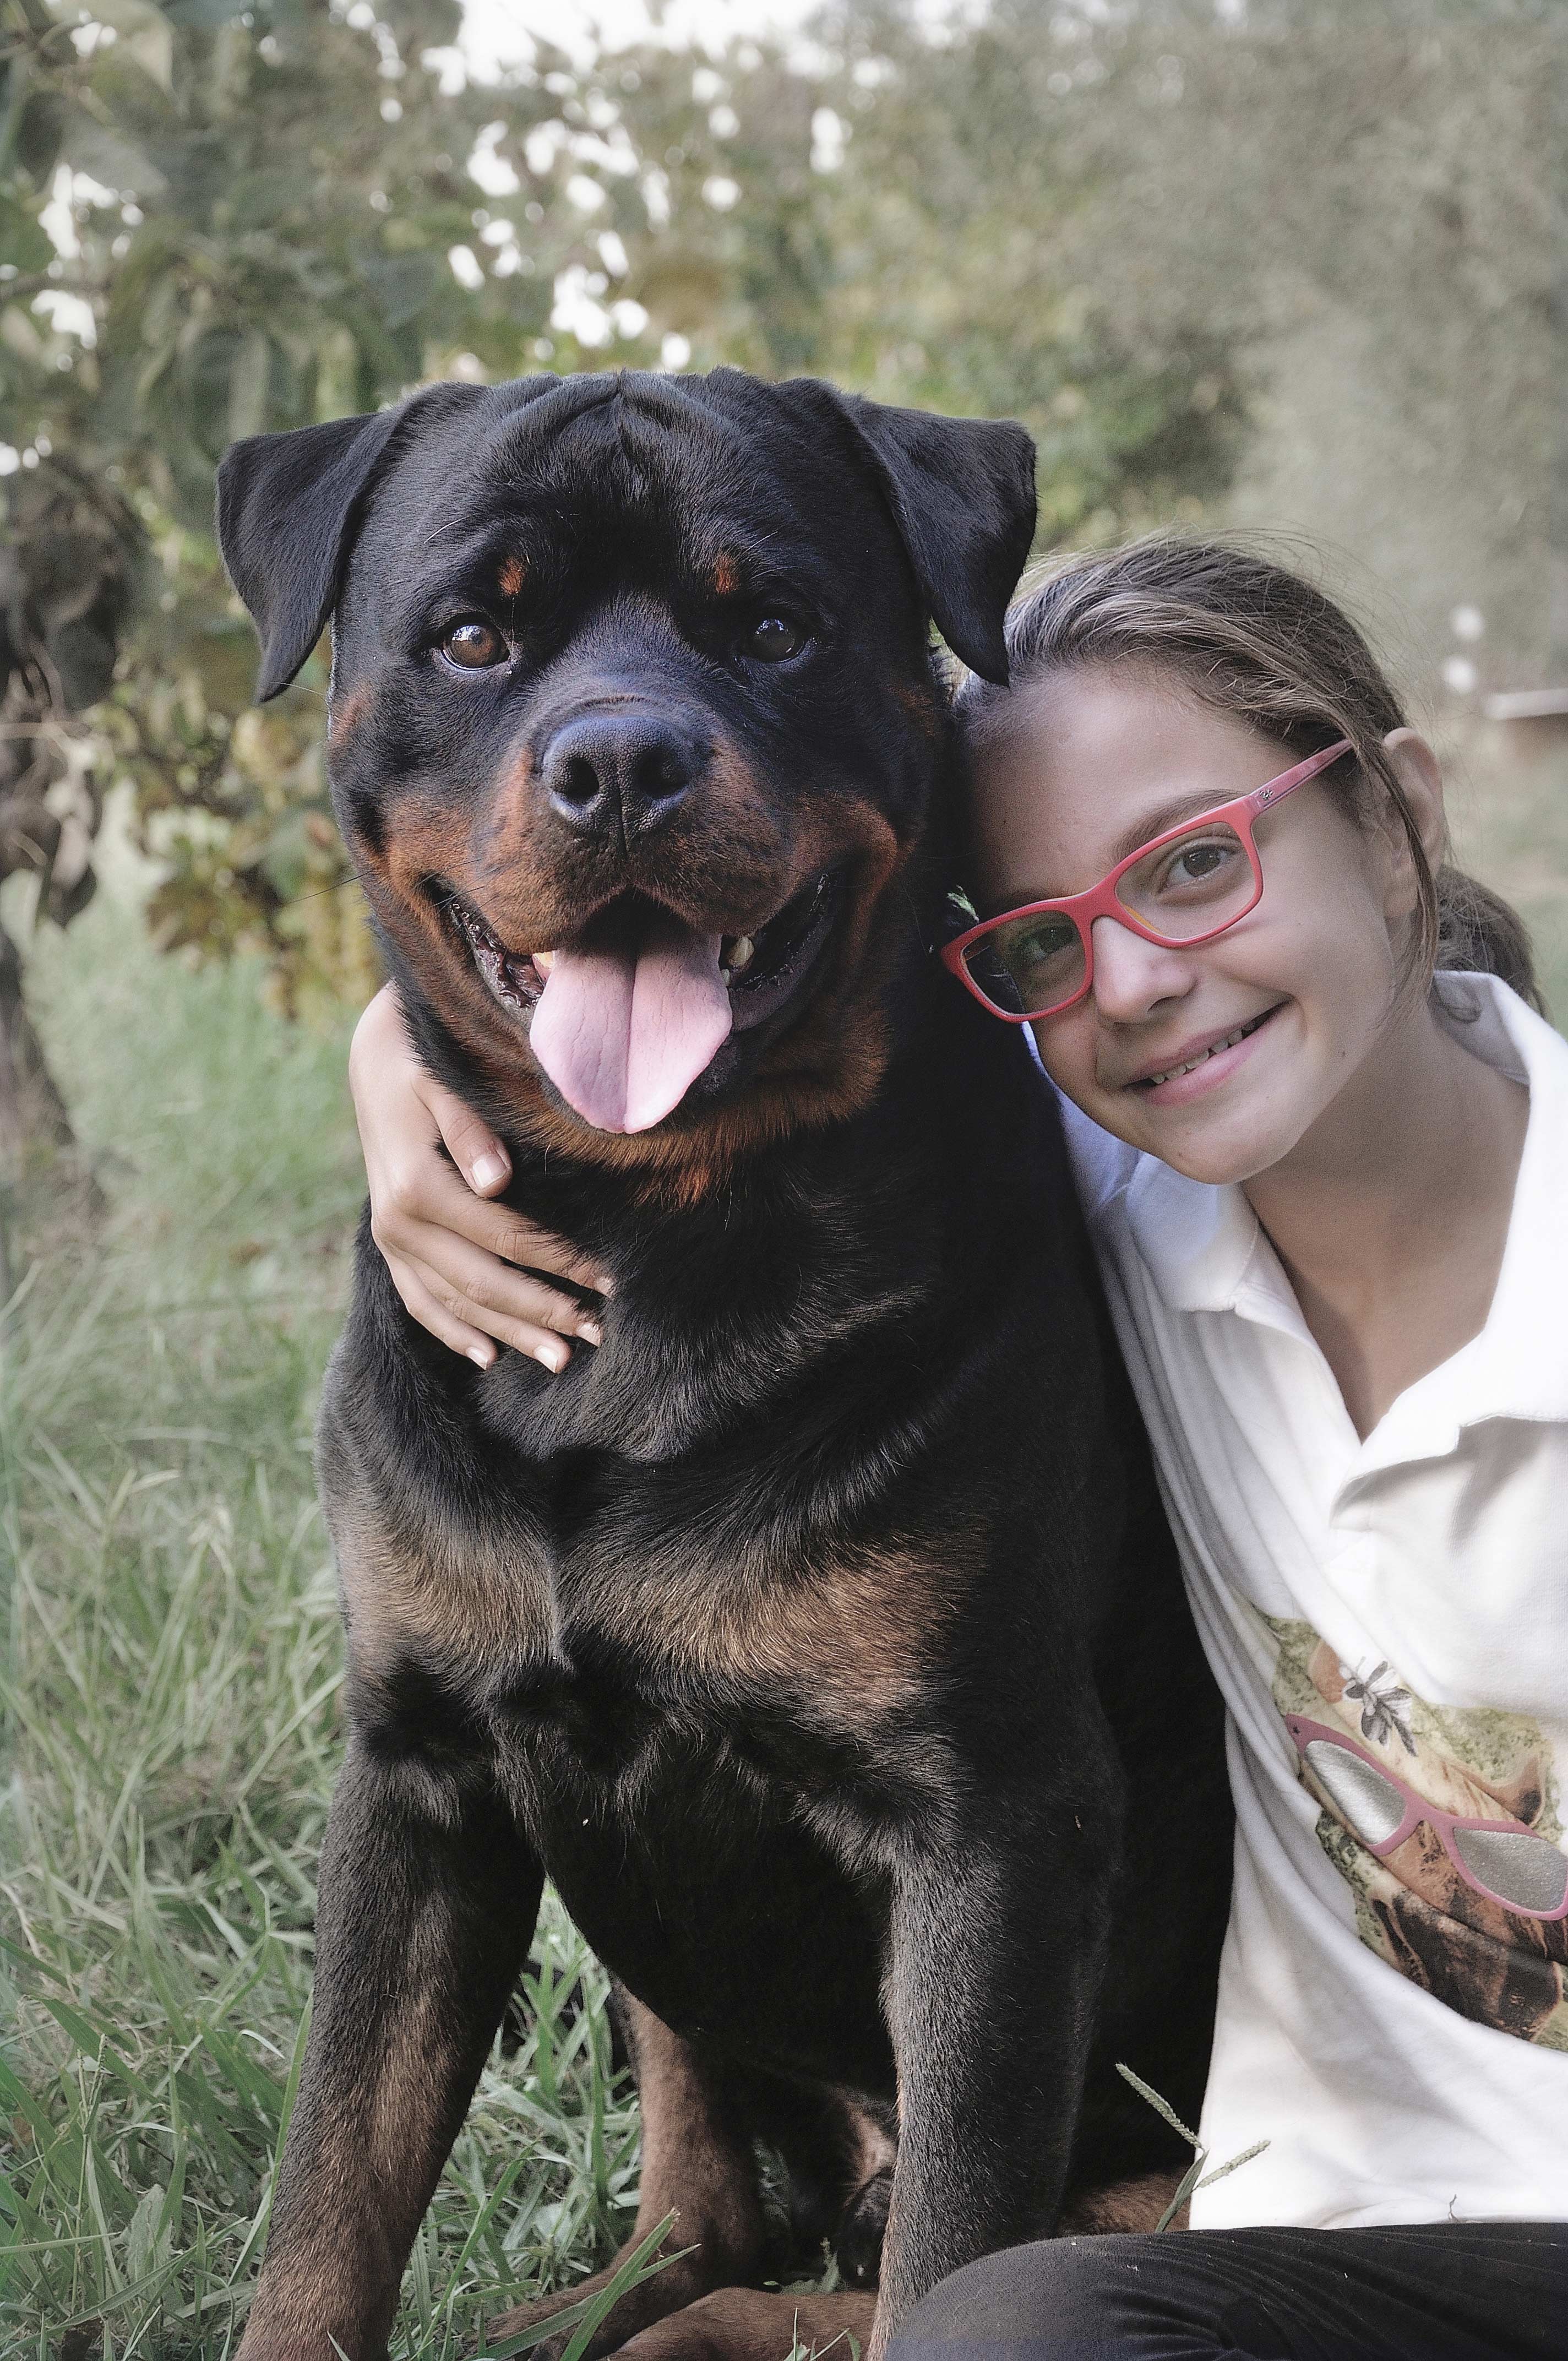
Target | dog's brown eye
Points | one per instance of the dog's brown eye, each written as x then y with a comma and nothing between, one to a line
473,645
771,637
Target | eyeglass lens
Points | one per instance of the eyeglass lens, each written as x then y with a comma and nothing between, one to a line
1029,965
1373,1804
1191,885
1527,1871
1523,1870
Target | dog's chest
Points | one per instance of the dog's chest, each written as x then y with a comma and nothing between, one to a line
636,1619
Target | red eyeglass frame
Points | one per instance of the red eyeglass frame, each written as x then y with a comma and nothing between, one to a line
1419,1807
1099,901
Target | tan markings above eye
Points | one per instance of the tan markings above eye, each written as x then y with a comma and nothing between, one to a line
512,576
474,645
726,575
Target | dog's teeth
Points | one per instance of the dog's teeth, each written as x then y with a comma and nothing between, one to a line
543,962
742,952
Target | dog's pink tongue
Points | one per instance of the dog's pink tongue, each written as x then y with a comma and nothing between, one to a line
623,1036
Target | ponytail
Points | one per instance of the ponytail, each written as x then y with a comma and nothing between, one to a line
1477,929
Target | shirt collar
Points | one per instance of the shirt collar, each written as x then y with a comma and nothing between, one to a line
1206,1250
1198,1240
1517,1366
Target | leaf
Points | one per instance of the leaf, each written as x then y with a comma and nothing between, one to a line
145,2237
146,36
108,156
1184,2188
24,241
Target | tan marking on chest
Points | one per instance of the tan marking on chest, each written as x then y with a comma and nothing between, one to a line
481,1604
858,1638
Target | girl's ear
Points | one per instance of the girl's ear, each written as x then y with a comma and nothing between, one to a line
1421,776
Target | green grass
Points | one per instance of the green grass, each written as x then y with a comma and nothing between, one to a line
169,1696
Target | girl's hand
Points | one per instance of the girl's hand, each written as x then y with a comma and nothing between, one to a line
448,1251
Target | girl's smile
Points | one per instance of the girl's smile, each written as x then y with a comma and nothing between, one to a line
1200,1066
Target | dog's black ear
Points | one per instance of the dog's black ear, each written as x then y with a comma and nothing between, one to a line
964,494
287,506
284,507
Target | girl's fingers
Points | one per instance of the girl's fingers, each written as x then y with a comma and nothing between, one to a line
486,1292
472,1147
422,1305
438,1222
464,1251
461,1312
503,1231
420,1192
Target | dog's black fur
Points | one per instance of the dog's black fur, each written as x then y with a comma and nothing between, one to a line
820,1635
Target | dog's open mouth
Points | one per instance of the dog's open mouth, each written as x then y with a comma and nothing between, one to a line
625,1016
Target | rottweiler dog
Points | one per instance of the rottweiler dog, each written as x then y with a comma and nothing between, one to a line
819,1634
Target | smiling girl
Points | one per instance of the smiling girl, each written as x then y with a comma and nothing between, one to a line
1319,1130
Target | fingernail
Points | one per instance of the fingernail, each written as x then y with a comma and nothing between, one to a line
488,1169
480,1358
590,1332
554,1362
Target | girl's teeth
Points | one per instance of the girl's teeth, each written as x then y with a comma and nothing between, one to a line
1193,1063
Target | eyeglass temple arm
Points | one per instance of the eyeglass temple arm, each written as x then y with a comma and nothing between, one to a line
1288,780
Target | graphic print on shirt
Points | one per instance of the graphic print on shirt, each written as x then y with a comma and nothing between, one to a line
1443,1822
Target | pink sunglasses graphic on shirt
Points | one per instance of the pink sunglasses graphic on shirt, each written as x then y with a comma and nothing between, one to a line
1500,1859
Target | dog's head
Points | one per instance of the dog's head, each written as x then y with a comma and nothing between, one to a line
634,724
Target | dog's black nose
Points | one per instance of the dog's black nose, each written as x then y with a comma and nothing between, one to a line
609,770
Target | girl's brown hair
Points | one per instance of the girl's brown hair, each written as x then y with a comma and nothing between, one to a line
1249,637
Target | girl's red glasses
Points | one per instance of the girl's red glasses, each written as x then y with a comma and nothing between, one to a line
1181,888
1501,1859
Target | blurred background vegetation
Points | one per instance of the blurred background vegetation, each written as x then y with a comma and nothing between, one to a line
1296,265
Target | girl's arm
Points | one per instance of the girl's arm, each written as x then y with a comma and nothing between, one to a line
450,1253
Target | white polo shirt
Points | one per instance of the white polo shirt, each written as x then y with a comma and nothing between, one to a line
1399,2037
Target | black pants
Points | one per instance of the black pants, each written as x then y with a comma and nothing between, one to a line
1439,2291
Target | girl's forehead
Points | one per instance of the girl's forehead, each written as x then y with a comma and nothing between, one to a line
1063,764
1140,719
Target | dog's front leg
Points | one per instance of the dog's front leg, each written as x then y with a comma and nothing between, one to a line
997,1948
427,1902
